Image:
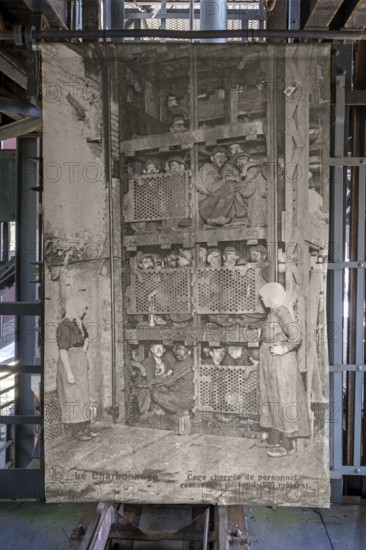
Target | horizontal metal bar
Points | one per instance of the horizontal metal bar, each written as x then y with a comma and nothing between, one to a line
16,105
356,97
7,404
346,265
354,470
335,474
235,14
22,369
22,484
348,368
20,127
6,375
64,35
20,308
6,390
6,445
347,161
11,419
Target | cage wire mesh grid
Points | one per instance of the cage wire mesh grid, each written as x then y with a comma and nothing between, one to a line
228,389
162,291
158,197
53,426
224,290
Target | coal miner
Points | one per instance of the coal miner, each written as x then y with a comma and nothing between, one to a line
223,192
175,394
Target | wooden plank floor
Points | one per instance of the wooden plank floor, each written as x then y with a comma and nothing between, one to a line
155,465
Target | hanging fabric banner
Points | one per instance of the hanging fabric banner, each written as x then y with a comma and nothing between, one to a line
186,210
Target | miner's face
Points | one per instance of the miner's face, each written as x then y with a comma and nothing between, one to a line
218,354
255,255
231,258
151,168
158,350
235,148
147,263
241,163
219,159
171,260
176,166
214,259
235,352
178,124
181,352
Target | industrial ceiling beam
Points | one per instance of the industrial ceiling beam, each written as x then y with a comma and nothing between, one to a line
20,128
357,19
15,105
12,68
19,10
54,11
322,13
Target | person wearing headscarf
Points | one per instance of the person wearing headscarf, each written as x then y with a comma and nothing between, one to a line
283,408
72,370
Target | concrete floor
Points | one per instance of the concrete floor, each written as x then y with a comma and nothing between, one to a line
38,526
339,528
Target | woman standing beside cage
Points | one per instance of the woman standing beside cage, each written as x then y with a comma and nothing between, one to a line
283,406
72,380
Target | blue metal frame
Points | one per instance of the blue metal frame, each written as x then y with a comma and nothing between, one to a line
337,267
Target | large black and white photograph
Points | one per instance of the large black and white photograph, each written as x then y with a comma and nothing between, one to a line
186,211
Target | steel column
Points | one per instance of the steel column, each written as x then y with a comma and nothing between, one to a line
336,284
213,16
27,235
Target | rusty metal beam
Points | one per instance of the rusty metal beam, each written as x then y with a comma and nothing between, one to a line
12,68
54,11
356,97
357,19
322,13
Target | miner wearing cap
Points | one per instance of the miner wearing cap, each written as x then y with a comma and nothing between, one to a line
255,183
178,124
175,395
146,262
235,149
213,257
151,166
216,182
225,191
176,164
230,256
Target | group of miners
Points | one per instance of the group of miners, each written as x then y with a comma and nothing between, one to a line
163,382
254,256
231,186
